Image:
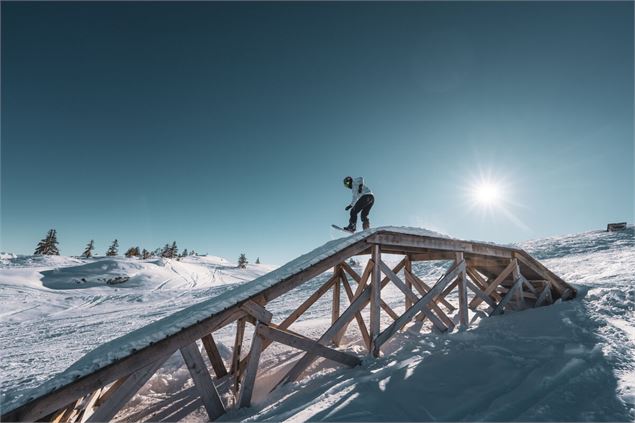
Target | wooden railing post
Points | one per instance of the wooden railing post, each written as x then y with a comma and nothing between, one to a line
462,286
375,300
407,271
335,310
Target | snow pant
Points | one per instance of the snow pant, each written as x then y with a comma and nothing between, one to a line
364,204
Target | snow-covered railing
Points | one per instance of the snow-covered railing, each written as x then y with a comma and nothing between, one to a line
498,278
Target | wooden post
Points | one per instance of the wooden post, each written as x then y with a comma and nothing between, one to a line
462,285
358,317
238,343
214,355
375,299
203,381
408,270
335,310
247,387
116,399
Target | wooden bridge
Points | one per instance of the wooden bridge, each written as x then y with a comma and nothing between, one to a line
487,279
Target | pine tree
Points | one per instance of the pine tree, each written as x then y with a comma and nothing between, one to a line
145,254
88,252
185,253
352,262
165,252
258,260
242,261
48,246
174,251
133,252
114,249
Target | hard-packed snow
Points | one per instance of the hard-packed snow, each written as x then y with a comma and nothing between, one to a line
570,361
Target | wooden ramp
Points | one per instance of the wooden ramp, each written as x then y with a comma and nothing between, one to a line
487,279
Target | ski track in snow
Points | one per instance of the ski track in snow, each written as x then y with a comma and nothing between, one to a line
571,361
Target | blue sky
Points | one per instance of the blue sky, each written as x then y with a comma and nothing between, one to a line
228,127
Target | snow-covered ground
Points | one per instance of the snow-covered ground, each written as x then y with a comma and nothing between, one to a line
572,361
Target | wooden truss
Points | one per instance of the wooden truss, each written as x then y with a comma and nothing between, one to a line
485,279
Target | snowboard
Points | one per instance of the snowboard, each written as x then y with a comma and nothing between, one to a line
341,229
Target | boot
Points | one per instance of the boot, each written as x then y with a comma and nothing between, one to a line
366,224
350,228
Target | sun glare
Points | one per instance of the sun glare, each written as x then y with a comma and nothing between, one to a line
487,194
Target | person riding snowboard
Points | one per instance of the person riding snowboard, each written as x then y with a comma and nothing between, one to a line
363,201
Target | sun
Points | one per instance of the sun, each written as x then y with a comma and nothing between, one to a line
487,194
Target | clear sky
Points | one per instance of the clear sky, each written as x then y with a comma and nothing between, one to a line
228,127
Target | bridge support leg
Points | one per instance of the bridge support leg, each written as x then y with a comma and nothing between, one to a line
375,300
462,286
203,381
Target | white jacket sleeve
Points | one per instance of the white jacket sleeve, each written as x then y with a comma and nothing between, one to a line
359,189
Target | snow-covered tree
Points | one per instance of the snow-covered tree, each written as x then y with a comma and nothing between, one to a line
158,252
170,251
352,262
242,261
145,254
113,250
88,252
48,246
133,252
184,253
257,260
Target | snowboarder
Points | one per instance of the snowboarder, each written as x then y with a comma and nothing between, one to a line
363,201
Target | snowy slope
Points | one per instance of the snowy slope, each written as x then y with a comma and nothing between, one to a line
55,309
571,361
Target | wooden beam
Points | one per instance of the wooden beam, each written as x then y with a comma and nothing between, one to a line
309,346
565,291
423,289
109,406
295,315
335,308
399,284
462,287
481,283
214,356
407,270
308,303
501,305
88,406
419,305
352,272
64,413
545,296
447,244
308,358
481,294
111,389
491,287
432,256
236,363
258,312
384,306
203,381
375,299
247,388
358,317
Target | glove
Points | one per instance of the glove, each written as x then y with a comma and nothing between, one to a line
348,207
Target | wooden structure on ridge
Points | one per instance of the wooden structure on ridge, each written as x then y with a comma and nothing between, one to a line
488,280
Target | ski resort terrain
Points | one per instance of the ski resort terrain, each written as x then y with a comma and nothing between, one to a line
572,361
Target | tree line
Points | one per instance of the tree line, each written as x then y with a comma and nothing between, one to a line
49,246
